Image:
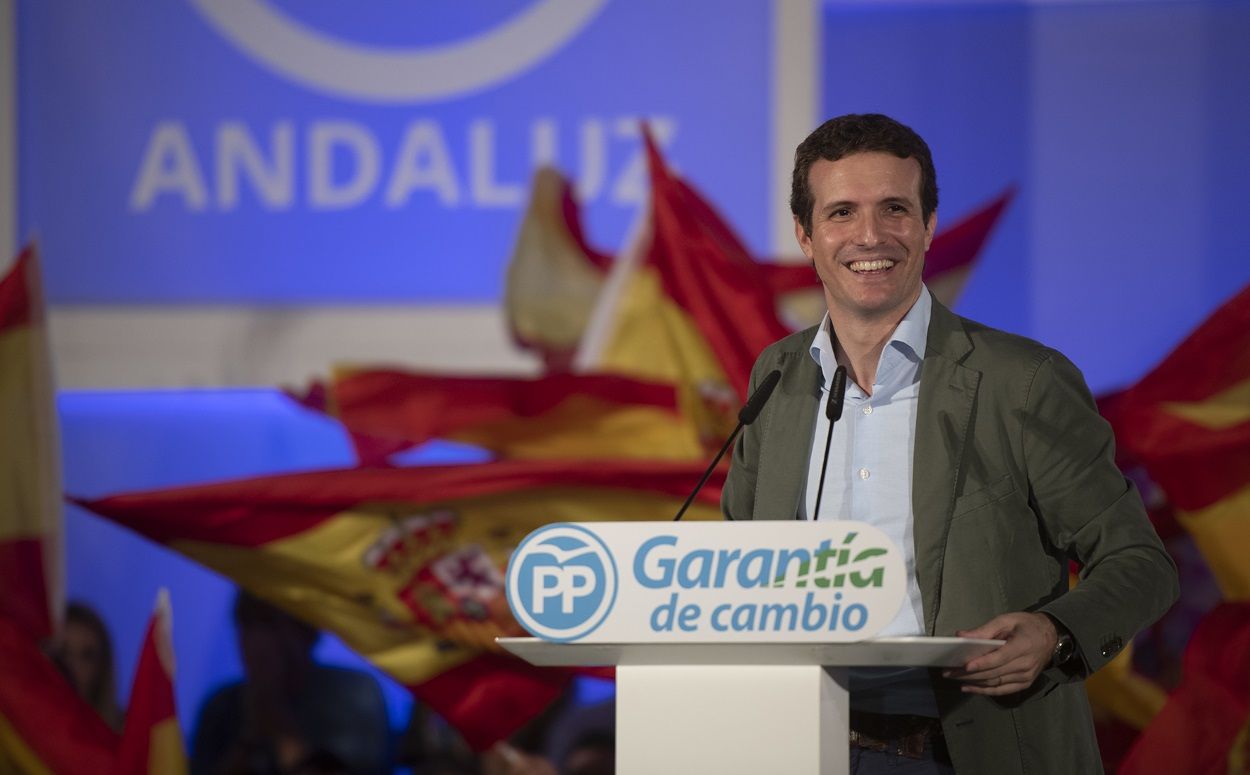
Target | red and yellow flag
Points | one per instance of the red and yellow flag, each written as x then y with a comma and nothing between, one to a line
554,275
557,282
693,308
689,307
947,265
950,260
45,728
407,565
1205,725
1188,423
30,497
663,345
1124,693
558,416
151,743
716,308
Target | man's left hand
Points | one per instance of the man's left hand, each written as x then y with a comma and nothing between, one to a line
1013,666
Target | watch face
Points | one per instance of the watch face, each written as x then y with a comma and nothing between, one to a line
1063,650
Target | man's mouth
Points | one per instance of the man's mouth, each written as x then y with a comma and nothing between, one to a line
875,265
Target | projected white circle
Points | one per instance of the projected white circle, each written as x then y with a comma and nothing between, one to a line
396,75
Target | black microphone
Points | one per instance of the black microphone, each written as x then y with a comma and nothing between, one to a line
833,410
750,410
837,396
755,404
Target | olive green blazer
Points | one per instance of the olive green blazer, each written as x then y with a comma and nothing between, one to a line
1013,476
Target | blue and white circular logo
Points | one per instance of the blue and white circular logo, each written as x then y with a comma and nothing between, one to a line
561,582
322,60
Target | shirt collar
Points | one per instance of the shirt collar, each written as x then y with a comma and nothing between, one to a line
909,336
913,330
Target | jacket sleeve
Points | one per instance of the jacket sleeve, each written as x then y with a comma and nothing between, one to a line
737,500
1091,511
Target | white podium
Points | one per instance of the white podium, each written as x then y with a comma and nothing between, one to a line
738,708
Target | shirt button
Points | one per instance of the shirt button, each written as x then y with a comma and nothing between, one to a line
868,409
863,473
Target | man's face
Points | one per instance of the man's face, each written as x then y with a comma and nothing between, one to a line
868,238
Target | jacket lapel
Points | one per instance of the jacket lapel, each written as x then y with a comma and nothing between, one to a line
947,397
788,436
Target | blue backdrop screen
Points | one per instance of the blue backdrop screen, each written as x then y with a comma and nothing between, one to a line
257,152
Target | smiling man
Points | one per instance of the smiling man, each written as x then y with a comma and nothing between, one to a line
980,453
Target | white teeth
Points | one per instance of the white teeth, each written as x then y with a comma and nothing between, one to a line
870,266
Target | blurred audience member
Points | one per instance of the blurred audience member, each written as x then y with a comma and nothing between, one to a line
505,759
593,753
319,763
84,652
581,739
289,714
430,746
444,764
569,738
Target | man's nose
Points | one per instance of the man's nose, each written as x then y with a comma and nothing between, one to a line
869,231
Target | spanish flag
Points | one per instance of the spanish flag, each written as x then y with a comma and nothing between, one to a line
30,497
151,743
1188,423
650,383
686,306
557,281
554,275
558,416
1205,725
690,306
406,565
1124,693
947,266
710,306
45,728
952,256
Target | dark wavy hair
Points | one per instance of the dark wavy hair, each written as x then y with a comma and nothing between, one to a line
101,693
859,133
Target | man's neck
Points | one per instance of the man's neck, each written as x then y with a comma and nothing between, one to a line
859,341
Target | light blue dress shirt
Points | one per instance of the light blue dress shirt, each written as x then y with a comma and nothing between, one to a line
869,480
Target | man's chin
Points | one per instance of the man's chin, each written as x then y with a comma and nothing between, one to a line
882,306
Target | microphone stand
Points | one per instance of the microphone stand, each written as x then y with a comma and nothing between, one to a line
746,416
833,410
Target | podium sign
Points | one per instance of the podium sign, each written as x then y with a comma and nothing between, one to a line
730,639
705,582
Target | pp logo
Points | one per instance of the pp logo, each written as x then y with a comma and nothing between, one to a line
387,74
561,582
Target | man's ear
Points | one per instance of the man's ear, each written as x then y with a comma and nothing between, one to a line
929,229
804,239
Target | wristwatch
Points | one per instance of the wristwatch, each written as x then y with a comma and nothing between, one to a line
1065,648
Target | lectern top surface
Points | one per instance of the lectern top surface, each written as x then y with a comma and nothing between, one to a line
914,651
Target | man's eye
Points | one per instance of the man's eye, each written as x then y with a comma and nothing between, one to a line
841,212
896,208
